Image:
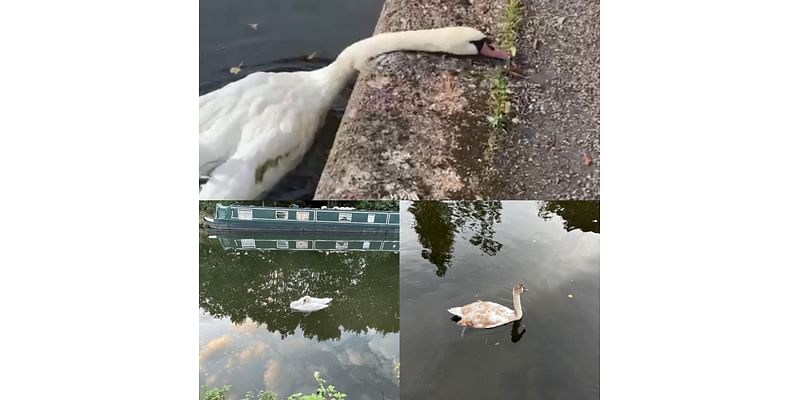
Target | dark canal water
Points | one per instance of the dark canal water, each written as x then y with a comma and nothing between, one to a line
251,340
286,34
459,252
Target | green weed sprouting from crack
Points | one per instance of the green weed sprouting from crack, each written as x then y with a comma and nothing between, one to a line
508,34
500,97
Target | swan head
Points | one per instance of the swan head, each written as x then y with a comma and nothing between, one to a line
519,288
466,41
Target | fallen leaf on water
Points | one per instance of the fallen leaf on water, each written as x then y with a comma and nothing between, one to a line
569,295
235,70
311,56
497,343
587,160
561,20
254,26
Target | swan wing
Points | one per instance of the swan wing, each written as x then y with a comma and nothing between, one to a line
485,314
309,307
324,300
253,132
223,113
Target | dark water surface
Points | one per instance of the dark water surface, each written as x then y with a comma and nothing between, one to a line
251,340
288,31
459,252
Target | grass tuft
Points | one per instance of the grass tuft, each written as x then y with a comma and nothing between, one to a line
508,34
500,98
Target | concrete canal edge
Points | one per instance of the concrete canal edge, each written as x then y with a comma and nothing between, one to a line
425,125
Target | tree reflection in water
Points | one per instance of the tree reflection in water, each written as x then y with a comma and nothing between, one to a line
259,285
436,224
583,215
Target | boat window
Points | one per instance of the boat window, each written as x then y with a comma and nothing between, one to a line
345,217
341,245
365,246
301,244
283,244
370,218
245,213
302,215
281,215
248,243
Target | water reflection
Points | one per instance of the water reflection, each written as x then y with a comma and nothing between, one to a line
583,215
436,225
260,285
307,241
251,358
516,333
251,340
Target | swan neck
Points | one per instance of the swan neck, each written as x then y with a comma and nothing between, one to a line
355,57
517,306
358,53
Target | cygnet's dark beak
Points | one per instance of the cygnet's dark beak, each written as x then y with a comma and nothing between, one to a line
524,289
489,51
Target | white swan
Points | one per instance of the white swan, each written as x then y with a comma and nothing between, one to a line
256,130
310,304
487,314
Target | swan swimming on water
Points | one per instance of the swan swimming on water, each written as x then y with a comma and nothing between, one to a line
310,304
256,130
487,314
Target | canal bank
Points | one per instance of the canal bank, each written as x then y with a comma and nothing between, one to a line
434,126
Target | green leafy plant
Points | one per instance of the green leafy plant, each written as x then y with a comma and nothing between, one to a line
324,392
214,393
262,395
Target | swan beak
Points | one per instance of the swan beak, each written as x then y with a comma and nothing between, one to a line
489,51
524,289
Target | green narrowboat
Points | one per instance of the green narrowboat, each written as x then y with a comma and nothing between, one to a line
338,219
308,241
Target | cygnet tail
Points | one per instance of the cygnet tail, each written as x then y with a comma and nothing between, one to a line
456,311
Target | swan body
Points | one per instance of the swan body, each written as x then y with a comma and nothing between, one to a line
487,314
256,130
310,304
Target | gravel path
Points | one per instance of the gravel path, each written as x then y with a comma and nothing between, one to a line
552,151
